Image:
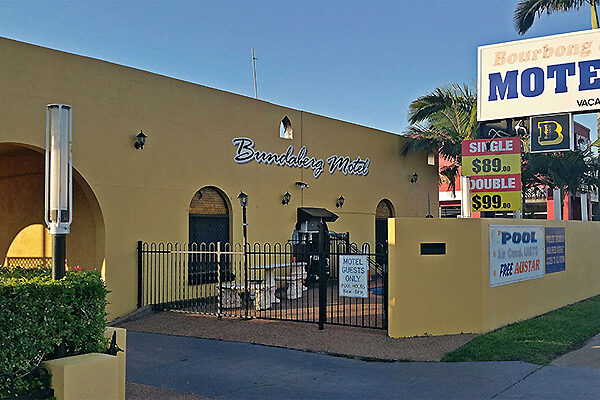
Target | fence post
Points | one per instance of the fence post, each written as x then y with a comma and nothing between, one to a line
140,275
246,299
322,280
219,296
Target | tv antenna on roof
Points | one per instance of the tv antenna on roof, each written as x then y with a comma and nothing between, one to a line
254,71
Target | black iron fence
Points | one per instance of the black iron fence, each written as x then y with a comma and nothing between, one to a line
270,281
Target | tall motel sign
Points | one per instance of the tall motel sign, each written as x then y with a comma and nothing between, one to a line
542,82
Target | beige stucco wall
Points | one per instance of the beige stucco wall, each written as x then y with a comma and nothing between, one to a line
24,232
145,194
451,293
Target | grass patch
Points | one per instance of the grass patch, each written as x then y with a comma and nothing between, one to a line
538,340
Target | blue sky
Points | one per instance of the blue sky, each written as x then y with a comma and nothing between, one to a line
358,61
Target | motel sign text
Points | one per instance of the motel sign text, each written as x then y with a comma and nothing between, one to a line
532,82
539,76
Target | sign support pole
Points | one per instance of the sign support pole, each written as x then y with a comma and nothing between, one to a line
465,194
518,214
556,194
584,207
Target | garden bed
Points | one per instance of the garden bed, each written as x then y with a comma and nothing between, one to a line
39,314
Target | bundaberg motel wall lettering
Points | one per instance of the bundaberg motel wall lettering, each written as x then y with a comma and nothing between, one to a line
246,152
539,76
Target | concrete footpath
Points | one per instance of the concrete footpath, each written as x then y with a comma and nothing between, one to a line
588,356
230,370
371,344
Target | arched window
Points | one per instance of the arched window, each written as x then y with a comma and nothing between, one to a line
384,209
208,223
209,201
285,129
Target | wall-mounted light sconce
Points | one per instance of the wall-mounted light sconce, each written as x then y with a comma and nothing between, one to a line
302,185
243,198
286,198
414,177
340,202
140,140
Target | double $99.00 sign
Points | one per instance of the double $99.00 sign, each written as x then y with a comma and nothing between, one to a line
494,171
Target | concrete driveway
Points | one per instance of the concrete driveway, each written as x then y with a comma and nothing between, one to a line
230,370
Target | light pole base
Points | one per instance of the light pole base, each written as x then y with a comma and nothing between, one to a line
59,254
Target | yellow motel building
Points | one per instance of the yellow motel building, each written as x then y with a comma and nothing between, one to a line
203,146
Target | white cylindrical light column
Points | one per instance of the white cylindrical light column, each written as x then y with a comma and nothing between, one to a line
58,169
58,184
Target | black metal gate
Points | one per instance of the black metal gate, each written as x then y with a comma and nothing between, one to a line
269,281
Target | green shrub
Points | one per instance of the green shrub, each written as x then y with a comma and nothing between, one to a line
37,314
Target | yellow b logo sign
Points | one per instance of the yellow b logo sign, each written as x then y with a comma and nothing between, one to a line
550,133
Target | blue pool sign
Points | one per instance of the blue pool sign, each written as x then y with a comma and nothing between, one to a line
516,253
545,75
353,276
555,249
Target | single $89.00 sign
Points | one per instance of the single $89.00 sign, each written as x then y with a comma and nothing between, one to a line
494,170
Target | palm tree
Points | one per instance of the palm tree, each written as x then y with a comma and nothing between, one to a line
570,171
528,10
577,163
440,121
575,171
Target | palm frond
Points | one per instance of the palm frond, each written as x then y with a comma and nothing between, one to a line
528,10
427,137
451,173
418,144
441,120
448,97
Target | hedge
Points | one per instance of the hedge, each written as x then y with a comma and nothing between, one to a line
37,314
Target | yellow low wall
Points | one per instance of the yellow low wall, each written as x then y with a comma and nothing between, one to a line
91,376
121,355
451,293
86,376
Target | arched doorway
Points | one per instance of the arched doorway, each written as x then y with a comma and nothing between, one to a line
24,238
384,211
209,223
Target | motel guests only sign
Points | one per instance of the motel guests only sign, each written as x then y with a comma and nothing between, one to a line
353,273
546,75
494,171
